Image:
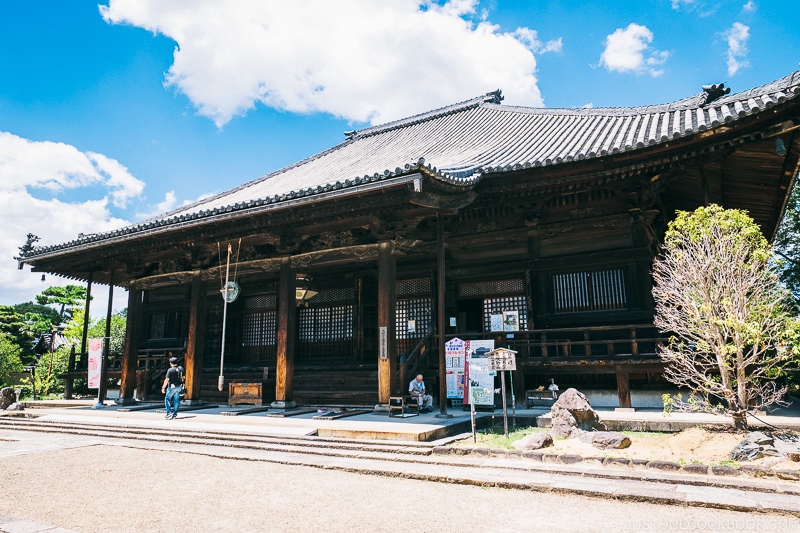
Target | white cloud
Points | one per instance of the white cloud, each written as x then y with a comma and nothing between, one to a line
31,175
737,37
628,50
676,4
749,6
357,59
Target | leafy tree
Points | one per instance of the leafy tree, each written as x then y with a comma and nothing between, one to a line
718,295
14,326
118,326
9,359
67,297
40,318
786,245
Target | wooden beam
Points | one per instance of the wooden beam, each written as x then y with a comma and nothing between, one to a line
440,284
106,342
193,358
387,357
129,356
287,334
623,387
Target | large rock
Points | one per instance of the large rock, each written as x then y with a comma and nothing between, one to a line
609,439
7,397
16,406
757,445
534,441
572,410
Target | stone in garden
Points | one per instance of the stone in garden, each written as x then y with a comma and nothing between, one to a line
16,406
571,410
757,445
7,397
610,439
534,441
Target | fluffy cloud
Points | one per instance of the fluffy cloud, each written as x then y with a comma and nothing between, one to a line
628,50
360,60
749,6
737,37
32,174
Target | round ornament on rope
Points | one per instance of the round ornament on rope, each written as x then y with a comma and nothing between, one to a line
230,291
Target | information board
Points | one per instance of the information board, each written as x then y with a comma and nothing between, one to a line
454,351
478,374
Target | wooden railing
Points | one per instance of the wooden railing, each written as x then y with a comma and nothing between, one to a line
634,341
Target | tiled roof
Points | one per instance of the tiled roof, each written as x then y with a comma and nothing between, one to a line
459,144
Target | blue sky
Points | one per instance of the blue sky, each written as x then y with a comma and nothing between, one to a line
113,112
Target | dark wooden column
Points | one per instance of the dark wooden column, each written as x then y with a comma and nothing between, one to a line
130,356
84,357
193,359
287,334
387,345
623,386
106,342
440,318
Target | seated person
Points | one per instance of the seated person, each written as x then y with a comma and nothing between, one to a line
417,390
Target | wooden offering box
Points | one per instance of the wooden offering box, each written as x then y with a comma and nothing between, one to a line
244,393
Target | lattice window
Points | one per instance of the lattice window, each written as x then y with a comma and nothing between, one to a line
321,324
413,318
496,306
333,296
262,301
601,290
413,287
485,288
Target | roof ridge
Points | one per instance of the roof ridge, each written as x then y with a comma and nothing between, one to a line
493,97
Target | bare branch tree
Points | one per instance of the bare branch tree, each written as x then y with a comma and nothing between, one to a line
727,312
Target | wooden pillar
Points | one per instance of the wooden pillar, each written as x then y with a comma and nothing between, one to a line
105,360
193,359
287,334
440,318
387,345
519,385
84,357
131,353
623,387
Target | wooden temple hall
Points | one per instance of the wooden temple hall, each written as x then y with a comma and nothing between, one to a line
355,265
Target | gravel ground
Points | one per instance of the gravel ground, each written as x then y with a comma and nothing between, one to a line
111,488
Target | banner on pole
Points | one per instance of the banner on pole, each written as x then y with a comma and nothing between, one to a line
95,361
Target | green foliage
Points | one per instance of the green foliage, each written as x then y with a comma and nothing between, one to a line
9,359
13,324
40,318
50,366
67,297
787,245
118,324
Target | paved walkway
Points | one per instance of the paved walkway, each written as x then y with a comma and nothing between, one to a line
9,524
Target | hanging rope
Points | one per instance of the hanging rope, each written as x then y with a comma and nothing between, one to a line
224,290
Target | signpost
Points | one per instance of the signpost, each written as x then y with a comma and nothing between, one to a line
503,359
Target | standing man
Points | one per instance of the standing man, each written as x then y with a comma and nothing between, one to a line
173,382
417,390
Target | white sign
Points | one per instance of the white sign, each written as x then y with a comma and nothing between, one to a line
496,322
95,362
479,376
454,366
502,360
384,343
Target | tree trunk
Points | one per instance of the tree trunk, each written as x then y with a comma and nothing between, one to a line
740,419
